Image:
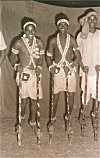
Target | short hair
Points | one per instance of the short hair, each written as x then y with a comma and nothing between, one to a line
60,16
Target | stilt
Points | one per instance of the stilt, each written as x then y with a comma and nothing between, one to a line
51,122
68,127
38,113
94,116
19,128
83,109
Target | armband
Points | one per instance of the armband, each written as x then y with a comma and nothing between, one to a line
72,68
75,48
70,65
41,52
49,54
15,51
39,67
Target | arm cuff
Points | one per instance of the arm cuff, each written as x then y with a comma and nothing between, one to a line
39,67
15,51
49,54
75,48
41,52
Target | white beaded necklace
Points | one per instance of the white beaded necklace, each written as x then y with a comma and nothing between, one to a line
63,52
33,50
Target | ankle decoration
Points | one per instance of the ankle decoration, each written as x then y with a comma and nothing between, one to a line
53,119
81,111
32,123
92,114
22,117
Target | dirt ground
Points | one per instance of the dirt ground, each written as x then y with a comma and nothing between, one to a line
81,147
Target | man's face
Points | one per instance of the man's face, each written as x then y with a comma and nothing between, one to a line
30,31
92,20
62,27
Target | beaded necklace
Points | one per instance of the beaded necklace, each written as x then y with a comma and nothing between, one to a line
63,52
33,50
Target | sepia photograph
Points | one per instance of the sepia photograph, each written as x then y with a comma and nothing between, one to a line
49,79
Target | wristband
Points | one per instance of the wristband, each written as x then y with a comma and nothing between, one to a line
16,65
70,66
50,67
72,69
39,67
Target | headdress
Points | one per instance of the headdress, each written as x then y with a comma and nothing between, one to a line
84,23
63,20
29,23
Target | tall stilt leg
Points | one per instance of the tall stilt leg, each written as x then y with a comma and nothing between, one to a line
50,126
19,129
83,109
94,116
38,113
68,127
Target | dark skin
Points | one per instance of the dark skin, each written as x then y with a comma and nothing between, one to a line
54,50
24,59
24,56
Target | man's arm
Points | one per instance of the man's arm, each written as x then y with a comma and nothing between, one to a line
81,64
76,52
39,61
13,57
41,53
49,53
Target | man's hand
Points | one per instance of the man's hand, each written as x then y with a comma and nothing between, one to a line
86,69
55,70
19,69
66,69
97,67
38,70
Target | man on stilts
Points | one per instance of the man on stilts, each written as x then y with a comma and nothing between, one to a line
59,57
89,44
27,59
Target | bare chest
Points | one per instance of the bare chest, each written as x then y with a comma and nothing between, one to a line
62,48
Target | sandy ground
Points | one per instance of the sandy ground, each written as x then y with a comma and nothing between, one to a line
81,147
